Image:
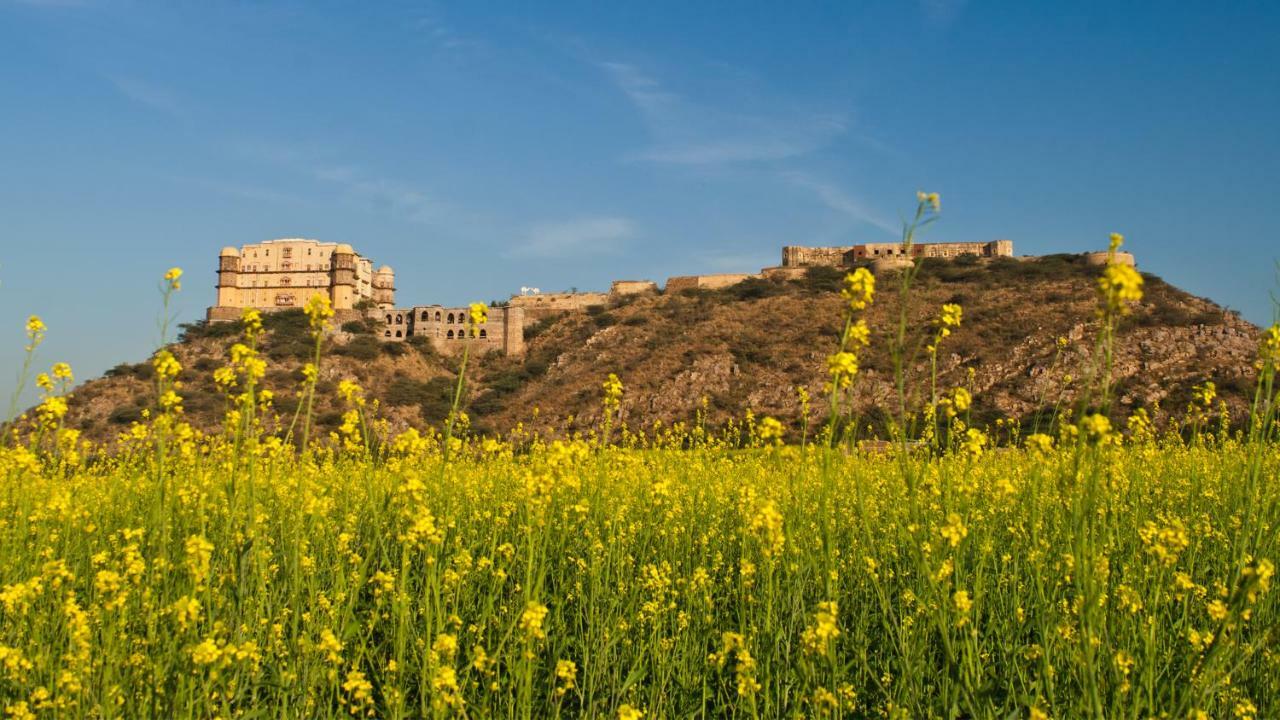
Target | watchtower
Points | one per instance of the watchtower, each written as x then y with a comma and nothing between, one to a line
342,277
228,277
384,287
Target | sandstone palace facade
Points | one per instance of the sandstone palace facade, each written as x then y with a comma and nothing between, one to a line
283,274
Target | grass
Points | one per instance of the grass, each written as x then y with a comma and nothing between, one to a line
1060,570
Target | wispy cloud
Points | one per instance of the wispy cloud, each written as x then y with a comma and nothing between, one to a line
444,38
353,185
688,133
240,190
941,12
148,94
382,194
443,34
576,237
840,200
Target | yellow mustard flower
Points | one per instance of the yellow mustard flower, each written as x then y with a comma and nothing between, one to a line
859,288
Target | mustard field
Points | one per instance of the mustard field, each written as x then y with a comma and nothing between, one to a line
1117,581
1091,566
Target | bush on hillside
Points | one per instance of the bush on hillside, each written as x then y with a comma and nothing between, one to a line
753,289
363,347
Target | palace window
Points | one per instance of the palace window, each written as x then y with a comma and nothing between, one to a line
398,334
484,333
450,335
286,281
287,253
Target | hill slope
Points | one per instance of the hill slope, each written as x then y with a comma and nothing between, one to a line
745,347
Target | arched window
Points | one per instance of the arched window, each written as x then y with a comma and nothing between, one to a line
450,335
388,319
484,333
399,319
398,334
424,316
388,333
437,316
450,317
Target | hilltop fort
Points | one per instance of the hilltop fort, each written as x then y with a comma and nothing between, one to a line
283,274
687,347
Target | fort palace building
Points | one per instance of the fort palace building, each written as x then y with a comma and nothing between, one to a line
282,274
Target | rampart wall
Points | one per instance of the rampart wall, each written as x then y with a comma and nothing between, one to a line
633,287
537,307
705,282
799,256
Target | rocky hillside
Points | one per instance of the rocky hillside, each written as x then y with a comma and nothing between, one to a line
744,347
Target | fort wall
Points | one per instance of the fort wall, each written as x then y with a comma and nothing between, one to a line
705,282
798,256
633,287
1102,258
537,307
784,273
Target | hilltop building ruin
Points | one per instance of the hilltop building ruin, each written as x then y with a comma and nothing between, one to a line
889,255
447,331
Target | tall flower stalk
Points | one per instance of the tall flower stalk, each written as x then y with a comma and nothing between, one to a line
477,315
928,206
35,329
842,366
318,310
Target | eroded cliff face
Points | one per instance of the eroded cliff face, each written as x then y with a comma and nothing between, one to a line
749,347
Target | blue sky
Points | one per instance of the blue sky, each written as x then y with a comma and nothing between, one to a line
481,146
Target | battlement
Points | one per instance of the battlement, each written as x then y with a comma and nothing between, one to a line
846,256
705,282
